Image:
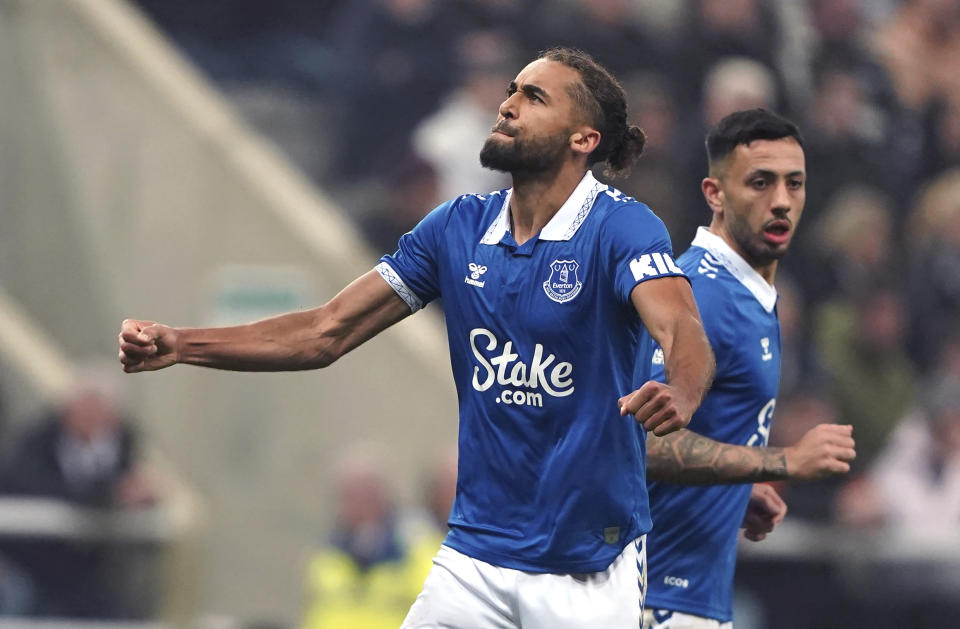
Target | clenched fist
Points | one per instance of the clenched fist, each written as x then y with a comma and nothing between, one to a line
765,510
147,346
657,407
825,450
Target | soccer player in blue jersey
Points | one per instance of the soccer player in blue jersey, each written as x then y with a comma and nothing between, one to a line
547,287
755,190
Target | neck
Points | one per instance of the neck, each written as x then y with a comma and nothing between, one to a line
538,196
767,269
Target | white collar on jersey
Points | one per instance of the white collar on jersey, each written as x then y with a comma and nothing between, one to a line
738,267
564,223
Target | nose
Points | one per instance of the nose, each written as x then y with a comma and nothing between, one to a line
781,198
508,107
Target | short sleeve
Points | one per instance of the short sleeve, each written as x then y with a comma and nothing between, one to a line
718,324
639,248
412,271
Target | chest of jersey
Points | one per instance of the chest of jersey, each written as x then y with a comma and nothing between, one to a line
743,397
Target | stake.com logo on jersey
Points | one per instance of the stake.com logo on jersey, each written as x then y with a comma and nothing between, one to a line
544,375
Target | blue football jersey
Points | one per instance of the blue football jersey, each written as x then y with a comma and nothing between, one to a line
692,547
543,340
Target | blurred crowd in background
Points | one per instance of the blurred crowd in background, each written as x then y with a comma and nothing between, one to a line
385,104
82,452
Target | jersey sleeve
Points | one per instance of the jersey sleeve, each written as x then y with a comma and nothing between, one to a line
639,248
412,271
718,323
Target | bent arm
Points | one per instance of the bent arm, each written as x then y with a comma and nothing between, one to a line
297,340
688,458
669,312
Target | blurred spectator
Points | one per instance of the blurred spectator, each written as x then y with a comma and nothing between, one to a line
942,138
367,576
933,242
735,83
84,452
843,40
439,490
395,67
608,29
409,192
920,46
450,138
724,28
518,21
852,140
855,250
730,84
800,368
914,485
862,345
658,179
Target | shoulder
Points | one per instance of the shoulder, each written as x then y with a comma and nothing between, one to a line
620,215
477,200
714,288
466,212
707,274
611,202
480,207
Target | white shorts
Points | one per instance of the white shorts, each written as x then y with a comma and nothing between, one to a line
465,593
667,619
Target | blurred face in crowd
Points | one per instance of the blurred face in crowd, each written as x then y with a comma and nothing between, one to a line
88,414
362,496
946,431
539,123
882,321
757,194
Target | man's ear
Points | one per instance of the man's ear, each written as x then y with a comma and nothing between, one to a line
584,140
713,193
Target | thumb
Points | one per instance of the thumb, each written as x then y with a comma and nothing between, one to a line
152,332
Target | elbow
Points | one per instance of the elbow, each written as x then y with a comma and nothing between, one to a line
323,346
323,360
321,356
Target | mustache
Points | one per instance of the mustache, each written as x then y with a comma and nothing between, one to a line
777,217
504,128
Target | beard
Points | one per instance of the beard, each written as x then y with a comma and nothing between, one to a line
531,156
756,251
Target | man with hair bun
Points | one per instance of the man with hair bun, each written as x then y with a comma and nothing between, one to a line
547,288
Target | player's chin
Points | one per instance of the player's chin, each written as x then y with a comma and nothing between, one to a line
775,248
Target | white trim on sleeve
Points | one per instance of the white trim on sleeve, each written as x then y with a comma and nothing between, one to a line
399,286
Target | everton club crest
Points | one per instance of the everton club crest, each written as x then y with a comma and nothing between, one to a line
563,283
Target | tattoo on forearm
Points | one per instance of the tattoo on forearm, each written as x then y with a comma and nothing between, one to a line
686,457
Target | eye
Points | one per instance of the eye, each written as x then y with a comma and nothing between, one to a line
536,98
795,184
758,184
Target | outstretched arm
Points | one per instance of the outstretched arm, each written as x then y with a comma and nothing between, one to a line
689,458
670,314
294,341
